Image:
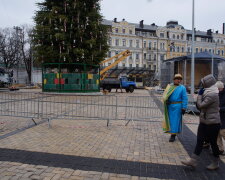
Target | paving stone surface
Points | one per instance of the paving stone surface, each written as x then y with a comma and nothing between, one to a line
88,149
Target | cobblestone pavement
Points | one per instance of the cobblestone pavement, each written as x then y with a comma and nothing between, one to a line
78,149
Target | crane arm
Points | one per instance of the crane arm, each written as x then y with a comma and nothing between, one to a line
117,55
123,55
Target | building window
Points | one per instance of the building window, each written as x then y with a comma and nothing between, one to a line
154,67
117,52
174,48
161,35
117,42
130,31
178,49
154,57
109,54
196,50
174,36
218,52
161,46
149,57
201,50
124,31
116,30
130,57
137,43
182,49
144,65
144,44
124,65
131,43
205,50
137,55
145,55
130,65
124,42
182,36
162,57
155,45
178,37
222,52
149,44
210,50
137,65
189,50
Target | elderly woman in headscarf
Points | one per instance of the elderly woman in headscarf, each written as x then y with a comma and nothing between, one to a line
209,127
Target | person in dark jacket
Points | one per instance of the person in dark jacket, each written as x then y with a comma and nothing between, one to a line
209,127
221,135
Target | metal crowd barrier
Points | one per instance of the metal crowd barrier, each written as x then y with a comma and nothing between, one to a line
143,108
43,106
66,106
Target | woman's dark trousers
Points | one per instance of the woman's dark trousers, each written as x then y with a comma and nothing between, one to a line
209,132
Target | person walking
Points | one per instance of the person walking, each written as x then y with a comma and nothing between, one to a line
221,135
208,103
175,104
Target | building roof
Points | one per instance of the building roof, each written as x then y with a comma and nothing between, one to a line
137,26
206,56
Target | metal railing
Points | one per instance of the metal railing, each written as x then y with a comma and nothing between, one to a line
49,106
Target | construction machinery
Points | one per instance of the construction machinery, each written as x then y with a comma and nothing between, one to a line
118,58
117,83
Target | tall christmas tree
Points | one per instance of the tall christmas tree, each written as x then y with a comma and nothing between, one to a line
70,31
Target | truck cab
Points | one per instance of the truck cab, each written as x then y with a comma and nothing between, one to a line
129,86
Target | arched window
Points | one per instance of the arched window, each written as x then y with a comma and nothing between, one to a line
173,36
178,49
178,37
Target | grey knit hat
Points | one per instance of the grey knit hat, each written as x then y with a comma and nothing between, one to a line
219,84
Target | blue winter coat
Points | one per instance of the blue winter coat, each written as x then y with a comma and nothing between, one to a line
175,110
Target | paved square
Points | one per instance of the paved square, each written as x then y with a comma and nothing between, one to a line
88,149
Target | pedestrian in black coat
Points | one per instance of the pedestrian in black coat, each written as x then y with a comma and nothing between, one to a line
221,135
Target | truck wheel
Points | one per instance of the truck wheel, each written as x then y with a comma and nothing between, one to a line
131,89
127,90
109,88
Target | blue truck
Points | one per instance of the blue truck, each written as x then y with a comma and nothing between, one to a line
115,83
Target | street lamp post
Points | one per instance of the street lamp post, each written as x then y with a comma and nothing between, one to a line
192,54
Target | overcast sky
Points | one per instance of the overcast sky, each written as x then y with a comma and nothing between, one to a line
209,14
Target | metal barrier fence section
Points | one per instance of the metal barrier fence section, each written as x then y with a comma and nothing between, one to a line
36,107
77,107
19,104
142,108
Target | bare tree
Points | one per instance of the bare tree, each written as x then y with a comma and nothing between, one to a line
26,50
9,48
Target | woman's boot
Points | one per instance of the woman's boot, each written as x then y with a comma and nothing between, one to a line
215,164
192,162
